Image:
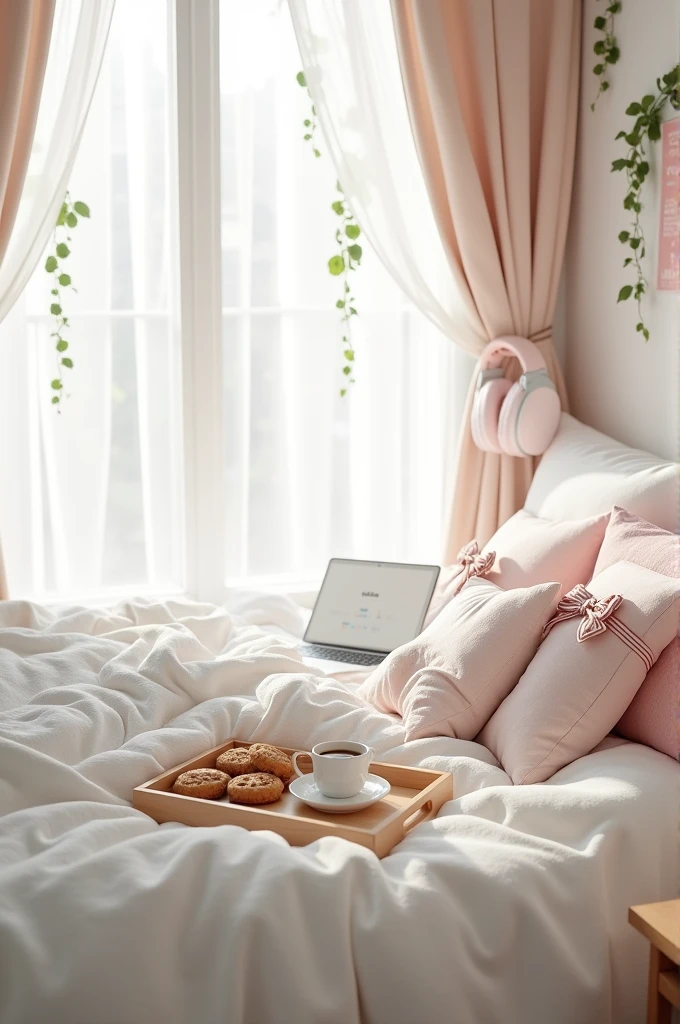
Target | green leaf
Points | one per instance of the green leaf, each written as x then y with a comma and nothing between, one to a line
340,304
72,220
599,47
600,22
646,101
615,7
634,243
337,207
54,291
624,236
352,230
654,132
62,215
51,264
306,122
633,139
316,152
64,280
621,135
62,250
82,209
62,345
618,165
338,186
639,327
67,362
645,334
598,69
56,385
301,80
55,399
306,137
349,355
343,392
55,309
628,260
353,311
633,108
625,293
347,370
355,252
336,265
613,55
604,86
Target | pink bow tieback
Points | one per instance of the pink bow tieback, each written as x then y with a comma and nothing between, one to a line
597,615
473,563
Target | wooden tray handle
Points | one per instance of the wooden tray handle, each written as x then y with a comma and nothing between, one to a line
419,815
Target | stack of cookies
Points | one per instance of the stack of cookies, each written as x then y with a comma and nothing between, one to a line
247,775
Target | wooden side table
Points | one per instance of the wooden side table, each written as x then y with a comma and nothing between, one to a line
660,923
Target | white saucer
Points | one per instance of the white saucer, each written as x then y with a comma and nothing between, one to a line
305,788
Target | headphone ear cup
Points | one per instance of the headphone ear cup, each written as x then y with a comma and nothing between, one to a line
507,420
485,412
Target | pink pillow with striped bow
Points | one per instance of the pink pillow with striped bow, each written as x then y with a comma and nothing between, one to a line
524,551
585,673
653,717
454,675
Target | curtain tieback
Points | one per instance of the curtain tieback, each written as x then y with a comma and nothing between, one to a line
597,616
473,563
542,335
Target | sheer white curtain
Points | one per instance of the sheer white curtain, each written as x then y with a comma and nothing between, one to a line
79,32
94,499
350,58
311,474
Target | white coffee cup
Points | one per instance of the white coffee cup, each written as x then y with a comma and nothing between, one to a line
340,767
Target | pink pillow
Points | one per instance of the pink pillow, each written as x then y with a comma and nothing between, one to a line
653,716
529,550
454,675
573,693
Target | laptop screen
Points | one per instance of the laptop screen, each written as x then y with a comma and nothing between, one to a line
374,606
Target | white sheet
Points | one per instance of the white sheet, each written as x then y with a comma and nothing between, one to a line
510,906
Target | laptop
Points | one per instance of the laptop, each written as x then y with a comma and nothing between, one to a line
365,610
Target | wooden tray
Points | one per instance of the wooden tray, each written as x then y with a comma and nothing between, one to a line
416,796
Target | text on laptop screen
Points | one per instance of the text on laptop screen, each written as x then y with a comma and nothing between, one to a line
374,606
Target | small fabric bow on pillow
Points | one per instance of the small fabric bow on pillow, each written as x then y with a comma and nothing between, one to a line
472,563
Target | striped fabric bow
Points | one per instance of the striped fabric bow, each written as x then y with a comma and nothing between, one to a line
473,563
597,615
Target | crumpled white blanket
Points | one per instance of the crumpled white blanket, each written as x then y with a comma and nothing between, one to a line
510,906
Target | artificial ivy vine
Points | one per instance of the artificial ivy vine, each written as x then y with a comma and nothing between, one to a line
343,263
647,128
66,221
606,48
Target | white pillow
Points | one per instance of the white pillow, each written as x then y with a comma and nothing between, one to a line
584,472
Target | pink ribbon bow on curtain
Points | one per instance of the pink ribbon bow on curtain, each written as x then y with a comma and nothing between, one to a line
472,563
597,616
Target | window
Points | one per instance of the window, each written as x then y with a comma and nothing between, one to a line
183,460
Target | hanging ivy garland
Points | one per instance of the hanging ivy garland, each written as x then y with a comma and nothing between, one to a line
345,261
68,218
646,129
606,48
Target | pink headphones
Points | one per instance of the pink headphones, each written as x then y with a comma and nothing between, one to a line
514,419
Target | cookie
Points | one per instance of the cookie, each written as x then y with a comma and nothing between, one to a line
204,782
235,762
256,788
266,758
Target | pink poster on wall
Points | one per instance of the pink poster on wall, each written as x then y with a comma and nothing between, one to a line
668,273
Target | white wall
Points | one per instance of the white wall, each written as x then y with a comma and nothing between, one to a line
616,382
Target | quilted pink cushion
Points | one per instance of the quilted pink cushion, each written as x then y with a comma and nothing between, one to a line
653,717
531,550
573,694
451,678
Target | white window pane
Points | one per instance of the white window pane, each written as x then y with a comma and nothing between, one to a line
309,474
95,499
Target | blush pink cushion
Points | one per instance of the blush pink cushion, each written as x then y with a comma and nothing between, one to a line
653,717
531,550
573,694
451,678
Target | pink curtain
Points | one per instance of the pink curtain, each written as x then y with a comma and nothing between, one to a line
25,29
492,89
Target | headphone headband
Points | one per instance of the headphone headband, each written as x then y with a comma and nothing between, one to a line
512,345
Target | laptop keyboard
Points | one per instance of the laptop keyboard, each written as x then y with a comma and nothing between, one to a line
332,654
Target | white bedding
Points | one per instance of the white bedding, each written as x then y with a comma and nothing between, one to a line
510,906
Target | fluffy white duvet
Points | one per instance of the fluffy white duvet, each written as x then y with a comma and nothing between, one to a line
509,907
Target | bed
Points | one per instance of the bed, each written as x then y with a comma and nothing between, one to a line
509,906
